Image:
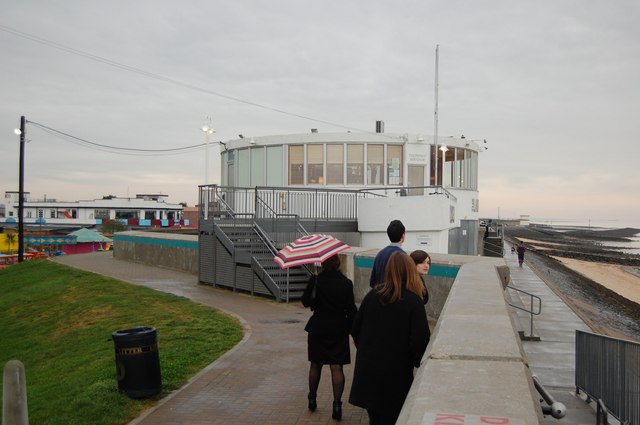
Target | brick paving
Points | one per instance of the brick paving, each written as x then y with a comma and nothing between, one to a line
263,380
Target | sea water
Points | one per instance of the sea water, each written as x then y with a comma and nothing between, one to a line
630,247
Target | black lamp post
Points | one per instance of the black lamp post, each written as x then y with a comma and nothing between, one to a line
23,122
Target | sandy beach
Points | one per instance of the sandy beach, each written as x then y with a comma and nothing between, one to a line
624,280
615,277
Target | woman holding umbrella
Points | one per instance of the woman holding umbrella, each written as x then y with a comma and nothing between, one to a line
328,329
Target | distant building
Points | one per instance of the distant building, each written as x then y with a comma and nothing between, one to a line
145,210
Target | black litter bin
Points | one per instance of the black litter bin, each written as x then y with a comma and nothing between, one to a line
137,361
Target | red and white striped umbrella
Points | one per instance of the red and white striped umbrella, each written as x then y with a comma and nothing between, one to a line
309,249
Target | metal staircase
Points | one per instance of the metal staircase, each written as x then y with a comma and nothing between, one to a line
246,253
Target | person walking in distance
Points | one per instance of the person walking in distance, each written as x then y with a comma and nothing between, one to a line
521,249
396,234
328,329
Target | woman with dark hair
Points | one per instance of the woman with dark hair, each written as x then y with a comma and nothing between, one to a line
328,329
423,264
391,334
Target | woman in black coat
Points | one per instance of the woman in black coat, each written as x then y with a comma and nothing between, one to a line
391,334
328,329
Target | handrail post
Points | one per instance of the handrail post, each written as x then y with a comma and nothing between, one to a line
531,316
602,412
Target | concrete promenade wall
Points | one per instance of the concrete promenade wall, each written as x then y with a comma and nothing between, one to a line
173,251
475,365
474,368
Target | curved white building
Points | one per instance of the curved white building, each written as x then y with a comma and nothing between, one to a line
432,188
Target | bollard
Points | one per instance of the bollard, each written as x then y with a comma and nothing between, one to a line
14,394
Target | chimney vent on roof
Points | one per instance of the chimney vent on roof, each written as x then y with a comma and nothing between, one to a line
379,126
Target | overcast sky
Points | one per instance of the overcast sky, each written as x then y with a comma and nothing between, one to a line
553,86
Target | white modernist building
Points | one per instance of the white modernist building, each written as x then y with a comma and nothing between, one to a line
144,210
432,188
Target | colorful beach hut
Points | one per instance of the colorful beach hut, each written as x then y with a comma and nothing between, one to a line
87,241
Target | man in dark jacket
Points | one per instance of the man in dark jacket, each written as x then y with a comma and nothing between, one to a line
396,233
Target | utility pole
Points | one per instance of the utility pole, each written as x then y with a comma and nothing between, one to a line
23,124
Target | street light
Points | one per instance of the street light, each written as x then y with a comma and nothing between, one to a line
208,130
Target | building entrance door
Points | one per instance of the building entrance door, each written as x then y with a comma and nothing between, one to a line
416,179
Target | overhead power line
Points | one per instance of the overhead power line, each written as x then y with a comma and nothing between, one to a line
117,149
162,78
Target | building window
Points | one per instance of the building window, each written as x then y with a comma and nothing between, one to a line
315,164
296,164
101,214
448,157
457,167
335,164
274,166
394,164
244,168
257,166
375,164
52,213
126,215
355,164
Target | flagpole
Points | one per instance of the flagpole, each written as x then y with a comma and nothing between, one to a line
435,120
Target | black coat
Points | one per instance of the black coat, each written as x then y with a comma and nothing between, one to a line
391,340
334,308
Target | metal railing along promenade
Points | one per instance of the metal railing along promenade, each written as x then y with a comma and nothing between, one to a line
608,370
312,204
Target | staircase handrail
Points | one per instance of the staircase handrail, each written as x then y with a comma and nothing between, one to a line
263,207
221,200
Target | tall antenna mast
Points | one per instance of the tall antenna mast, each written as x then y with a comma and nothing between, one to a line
435,121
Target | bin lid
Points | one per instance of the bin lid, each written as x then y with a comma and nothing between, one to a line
136,330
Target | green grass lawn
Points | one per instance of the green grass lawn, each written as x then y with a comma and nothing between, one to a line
58,321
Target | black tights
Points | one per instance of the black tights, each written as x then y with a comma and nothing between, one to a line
337,379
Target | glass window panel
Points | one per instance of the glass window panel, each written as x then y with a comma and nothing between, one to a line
375,163
223,175
257,166
274,166
244,168
355,164
315,164
335,164
296,164
447,164
394,164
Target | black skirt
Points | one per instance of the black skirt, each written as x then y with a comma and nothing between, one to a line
328,349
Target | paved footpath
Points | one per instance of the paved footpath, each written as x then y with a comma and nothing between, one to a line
552,358
263,380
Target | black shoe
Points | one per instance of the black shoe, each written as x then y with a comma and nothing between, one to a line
313,405
337,410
